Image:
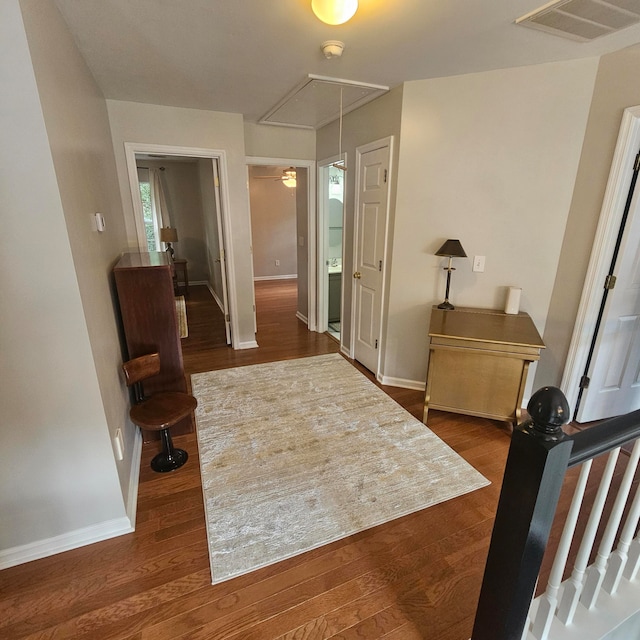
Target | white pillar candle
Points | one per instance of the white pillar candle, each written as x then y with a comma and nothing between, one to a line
513,300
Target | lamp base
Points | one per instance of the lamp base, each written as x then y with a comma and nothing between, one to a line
446,305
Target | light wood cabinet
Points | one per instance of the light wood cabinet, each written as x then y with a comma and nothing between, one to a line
478,362
144,282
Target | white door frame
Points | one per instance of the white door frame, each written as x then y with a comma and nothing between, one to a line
322,219
360,151
310,165
222,258
130,150
605,239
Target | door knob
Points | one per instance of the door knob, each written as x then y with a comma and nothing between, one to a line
357,275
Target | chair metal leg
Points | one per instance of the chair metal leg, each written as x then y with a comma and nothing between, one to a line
169,458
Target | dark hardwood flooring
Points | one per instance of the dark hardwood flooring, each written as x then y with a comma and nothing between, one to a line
417,577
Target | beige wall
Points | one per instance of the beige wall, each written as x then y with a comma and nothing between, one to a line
193,128
273,224
269,141
60,393
302,248
489,158
616,88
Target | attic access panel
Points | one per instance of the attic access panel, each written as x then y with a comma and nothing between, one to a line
583,20
316,102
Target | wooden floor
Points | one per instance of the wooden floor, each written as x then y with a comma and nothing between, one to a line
415,577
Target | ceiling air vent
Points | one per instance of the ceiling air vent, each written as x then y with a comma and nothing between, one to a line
583,20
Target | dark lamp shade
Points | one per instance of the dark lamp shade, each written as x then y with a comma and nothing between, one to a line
451,249
168,234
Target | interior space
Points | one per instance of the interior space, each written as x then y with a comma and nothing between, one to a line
440,197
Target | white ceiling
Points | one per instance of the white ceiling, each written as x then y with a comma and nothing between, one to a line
245,56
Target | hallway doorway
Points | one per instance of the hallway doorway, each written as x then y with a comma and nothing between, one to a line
284,244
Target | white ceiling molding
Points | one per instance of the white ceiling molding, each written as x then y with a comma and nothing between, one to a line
316,102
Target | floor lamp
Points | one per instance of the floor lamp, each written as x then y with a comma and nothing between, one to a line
450,249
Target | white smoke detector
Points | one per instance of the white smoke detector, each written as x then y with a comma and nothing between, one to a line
332,49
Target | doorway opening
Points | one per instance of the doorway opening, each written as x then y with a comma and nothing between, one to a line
282,205
330,242
182,190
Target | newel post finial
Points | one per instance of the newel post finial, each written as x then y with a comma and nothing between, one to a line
549,410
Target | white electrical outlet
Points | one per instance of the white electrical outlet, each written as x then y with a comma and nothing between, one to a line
118,442
478,263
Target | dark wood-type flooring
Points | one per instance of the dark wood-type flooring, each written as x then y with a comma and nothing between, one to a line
417,577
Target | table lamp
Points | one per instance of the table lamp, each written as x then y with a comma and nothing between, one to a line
450,249
169,235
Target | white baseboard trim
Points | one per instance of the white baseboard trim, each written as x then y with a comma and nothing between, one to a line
346,352
64,542
416,385
252,344
303,318
292,276
215,297
134,480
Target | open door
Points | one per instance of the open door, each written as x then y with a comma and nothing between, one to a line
221,259
613,371
602,374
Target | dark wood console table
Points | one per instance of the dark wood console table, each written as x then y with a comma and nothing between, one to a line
478,362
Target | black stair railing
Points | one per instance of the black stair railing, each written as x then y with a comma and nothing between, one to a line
539,456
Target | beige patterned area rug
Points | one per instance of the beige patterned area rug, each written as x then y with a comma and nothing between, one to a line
299,453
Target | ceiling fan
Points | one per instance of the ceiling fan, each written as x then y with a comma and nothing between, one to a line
288,177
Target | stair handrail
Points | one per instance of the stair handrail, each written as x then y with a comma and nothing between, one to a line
539,456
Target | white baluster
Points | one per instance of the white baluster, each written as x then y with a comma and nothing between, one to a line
633,564
596,572
619,557
549,601
573,586
527,624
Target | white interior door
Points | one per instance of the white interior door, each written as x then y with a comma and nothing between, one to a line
372,198
222,257
614,371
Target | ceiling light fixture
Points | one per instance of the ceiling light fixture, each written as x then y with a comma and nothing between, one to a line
334,11
289,178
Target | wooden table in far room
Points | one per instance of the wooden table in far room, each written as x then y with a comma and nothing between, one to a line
180,264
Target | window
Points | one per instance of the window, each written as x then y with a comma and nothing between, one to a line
150,224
